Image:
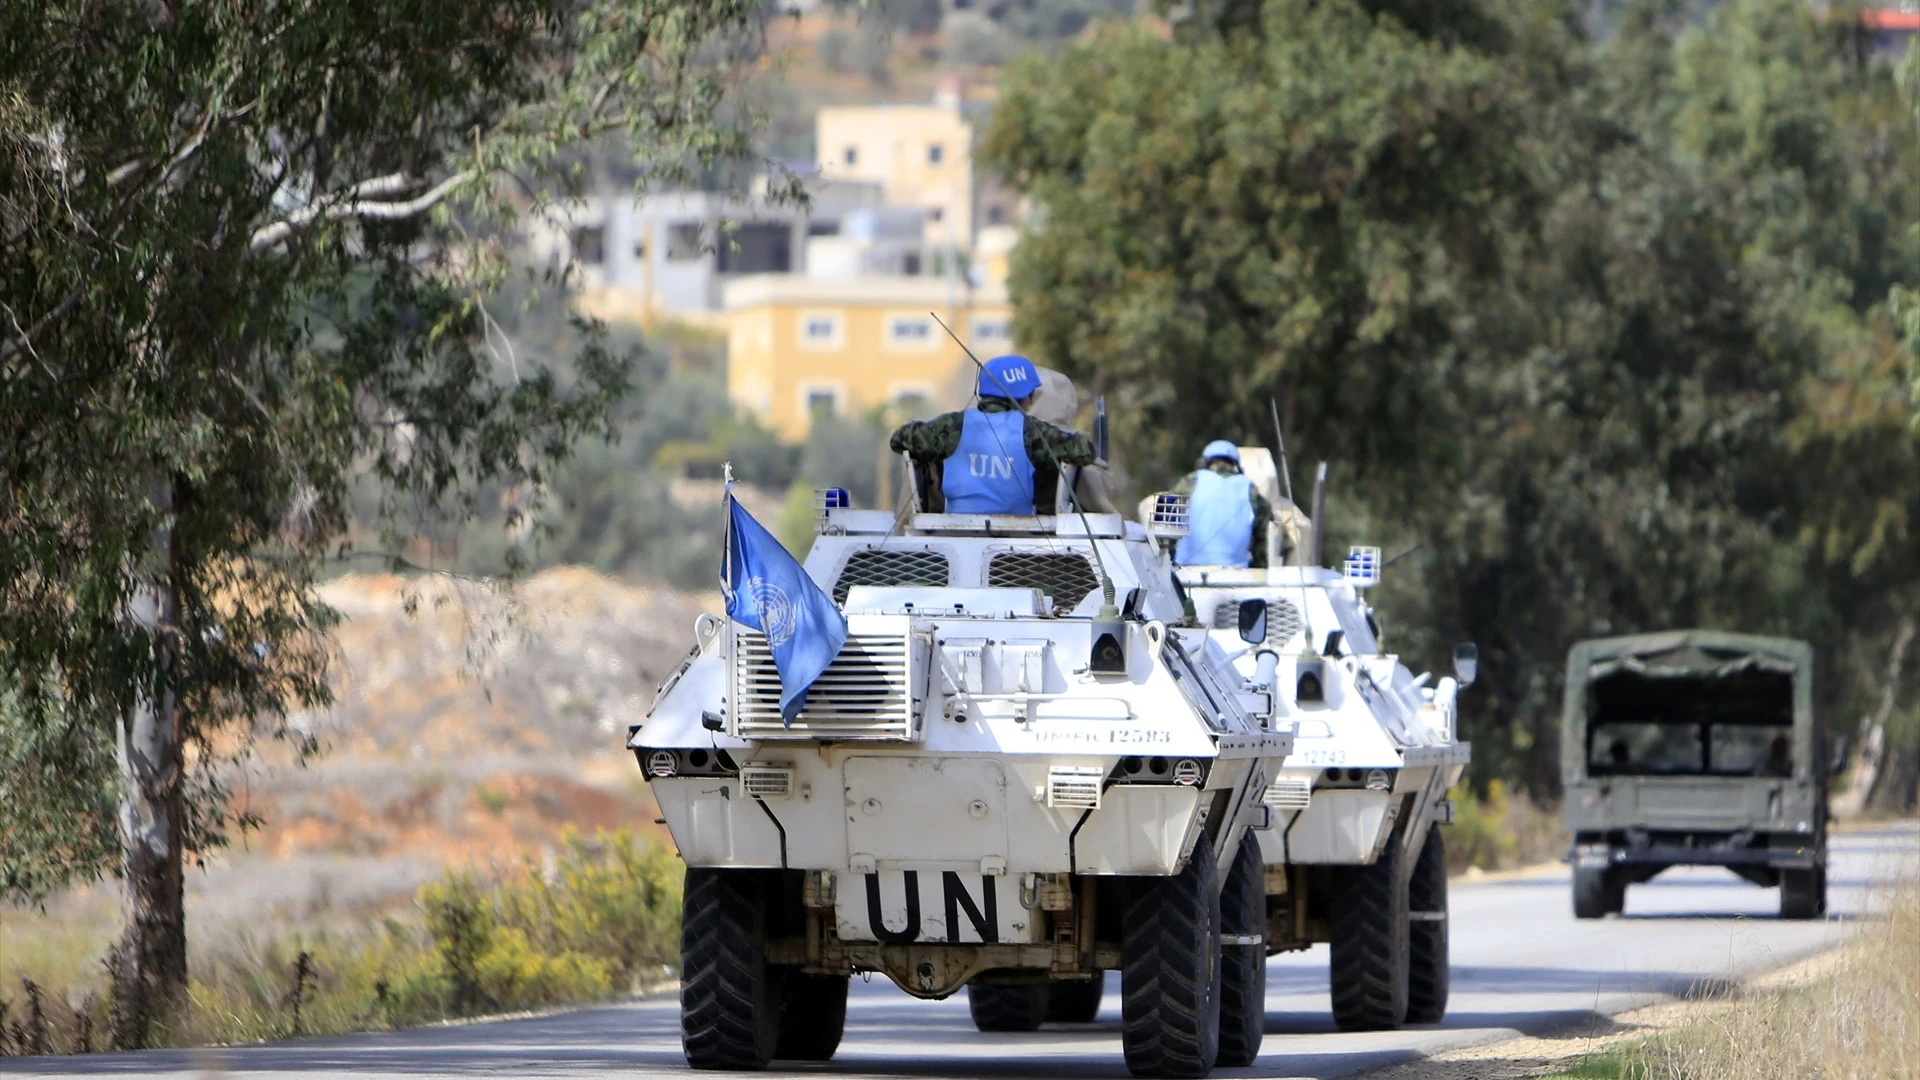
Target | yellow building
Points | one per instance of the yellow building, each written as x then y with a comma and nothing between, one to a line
798,347
921,155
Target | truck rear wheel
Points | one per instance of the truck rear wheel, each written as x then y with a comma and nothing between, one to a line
1429,969
1598,892
1369,948
1170,971
1803,893
1007,1008
729,995
813,1016
1076,1002
1243,957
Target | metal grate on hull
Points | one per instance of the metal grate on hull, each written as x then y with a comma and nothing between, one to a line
1283,620
1065,577
1289,793
891,567
866,693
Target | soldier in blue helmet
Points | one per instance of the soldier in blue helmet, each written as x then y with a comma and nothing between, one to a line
1227,514
994,458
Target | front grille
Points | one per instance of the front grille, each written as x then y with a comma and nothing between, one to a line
1065,577
1289,793
1074,787
891,567
1283,620
764,783
866,693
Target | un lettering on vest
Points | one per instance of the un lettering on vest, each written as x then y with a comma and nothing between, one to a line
990,466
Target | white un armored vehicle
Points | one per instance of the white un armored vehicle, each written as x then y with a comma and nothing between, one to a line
1352,855
993,786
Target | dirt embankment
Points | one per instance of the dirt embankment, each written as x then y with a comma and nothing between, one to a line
472,722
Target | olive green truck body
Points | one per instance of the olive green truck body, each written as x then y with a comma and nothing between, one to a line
1694,748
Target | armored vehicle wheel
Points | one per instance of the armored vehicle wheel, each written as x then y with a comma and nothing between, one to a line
1170,971
1243,957
1803,893
729,995
1075,1002
1429,970
813,1016
1007,1008
1369,946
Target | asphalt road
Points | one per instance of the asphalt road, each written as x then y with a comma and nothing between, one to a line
1522,964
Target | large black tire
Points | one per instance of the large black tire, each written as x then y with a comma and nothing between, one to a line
1429,970
1369,948
1007,1008
1170,971
813,1016
1075,1002
1598,892
729,995
1803,893
1243,957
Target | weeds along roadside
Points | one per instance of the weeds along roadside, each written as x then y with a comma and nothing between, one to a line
1858,1018
602,920
1503,830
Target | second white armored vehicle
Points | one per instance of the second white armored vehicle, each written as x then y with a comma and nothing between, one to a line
1352,853
1019,773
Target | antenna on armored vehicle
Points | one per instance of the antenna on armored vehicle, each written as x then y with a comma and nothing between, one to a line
1106,625
1313,527
1280,441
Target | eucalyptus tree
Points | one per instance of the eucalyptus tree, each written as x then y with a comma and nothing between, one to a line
245,250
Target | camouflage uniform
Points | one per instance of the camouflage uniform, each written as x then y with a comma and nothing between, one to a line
931,442
1262,510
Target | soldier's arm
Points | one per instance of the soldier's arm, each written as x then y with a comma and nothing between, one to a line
1262,517
1046,443
928,440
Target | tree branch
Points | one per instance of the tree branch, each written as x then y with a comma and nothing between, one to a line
354,203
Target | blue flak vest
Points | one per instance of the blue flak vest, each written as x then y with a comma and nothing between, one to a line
989,473
1220,516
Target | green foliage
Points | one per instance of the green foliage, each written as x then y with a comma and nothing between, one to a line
244,279
1598,323
1501,830
604,919
56,778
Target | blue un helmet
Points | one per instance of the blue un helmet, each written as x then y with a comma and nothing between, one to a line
1221,448
1008,377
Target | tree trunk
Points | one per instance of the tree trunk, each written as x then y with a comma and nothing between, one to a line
1869,766
151,960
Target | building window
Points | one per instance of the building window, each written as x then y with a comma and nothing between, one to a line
995,215
936,153
640,250
937,213
913,399
589,245
822,402
820,330
910,264
990,331
823,228
683,241
850,156
909,331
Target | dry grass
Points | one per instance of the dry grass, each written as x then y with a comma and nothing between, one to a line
600,918
1862,1022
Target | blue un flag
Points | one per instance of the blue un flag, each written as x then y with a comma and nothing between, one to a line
767,590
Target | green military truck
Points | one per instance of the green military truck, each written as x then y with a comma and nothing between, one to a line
1694,748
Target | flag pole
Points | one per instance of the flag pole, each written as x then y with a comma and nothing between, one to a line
726,534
